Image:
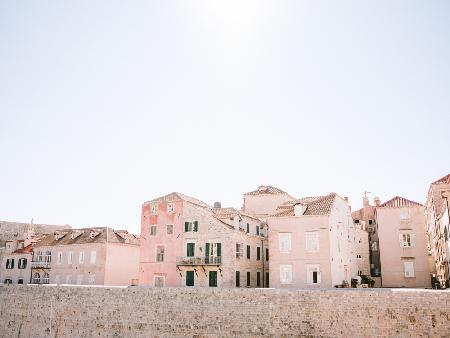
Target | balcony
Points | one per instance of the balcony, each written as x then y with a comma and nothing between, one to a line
40,264
198,261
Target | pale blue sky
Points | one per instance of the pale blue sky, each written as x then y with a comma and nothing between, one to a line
107,104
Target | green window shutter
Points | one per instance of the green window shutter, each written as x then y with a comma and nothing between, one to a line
258,278
258,253
190,249
189,278
248,278
195,226
248,251
213,278
207,250
238,278
267,279
186,226
219,249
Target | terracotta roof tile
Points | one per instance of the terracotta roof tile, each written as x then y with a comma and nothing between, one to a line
227,213
319,205
398,202
443,180
266,190
27,249
177,196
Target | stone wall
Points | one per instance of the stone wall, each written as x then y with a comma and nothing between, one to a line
50,311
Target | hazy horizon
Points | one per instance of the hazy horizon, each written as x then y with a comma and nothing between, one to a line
105,105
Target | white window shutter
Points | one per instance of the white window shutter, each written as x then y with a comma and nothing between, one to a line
413,240
400,239
319,277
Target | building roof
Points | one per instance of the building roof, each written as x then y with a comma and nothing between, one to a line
83,236
266,190
227,213
177,196
318,205
27,249
399,202
443,180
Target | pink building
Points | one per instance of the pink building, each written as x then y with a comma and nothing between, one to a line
403,245
312,243
89,256
186,242
264,201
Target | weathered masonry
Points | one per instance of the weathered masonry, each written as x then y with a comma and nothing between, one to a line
71,311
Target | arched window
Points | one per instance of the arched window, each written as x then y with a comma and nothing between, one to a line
37,278
8,281
46,278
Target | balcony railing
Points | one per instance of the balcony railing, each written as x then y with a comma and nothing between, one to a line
193,261
40,264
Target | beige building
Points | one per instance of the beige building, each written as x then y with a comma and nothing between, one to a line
402,244
313,243
186,242
15,263
437,220
91,256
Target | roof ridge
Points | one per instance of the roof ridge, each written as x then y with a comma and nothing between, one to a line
443,180
391,203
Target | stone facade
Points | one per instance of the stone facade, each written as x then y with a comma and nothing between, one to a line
174,221
50,311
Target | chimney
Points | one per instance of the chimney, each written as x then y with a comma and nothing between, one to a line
346,199
377,201
217,205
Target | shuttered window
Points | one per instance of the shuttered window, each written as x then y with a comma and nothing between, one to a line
190,249
191,226
284,242
248,251
238,278
407,240
258,278
189,278
312,241
409,269
267,280
286,274
213,278
258,253
153,230
313,274
160,253
248,278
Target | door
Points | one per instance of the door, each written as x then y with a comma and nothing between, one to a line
189,278
213,278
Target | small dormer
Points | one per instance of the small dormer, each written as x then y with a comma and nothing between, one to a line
76,233
299,209
94,233
58,235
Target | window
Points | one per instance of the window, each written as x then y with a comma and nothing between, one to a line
191,249
248,278
312,241
189,278
59,258
36,278
248,251
57,279
406,240
356,221
370,222
169,229
22,263
213,252
238,279
153,230
10,263
286,274
45,278
170,208
267,254
248,228
258,278
213,278
91,279
70,257
81,257
69,279
374,246
359,272
154,208
313,274
257,230
409,269
267,280
80,279
20,281
284,242
258,253
160,253
191,226
8,281
238,250
93,256
358,256
158,281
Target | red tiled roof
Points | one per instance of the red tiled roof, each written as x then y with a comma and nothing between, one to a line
443,180
176,195
226,213
398,202
27,249
266,189
319,205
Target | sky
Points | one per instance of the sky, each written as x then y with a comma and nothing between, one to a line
107,104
